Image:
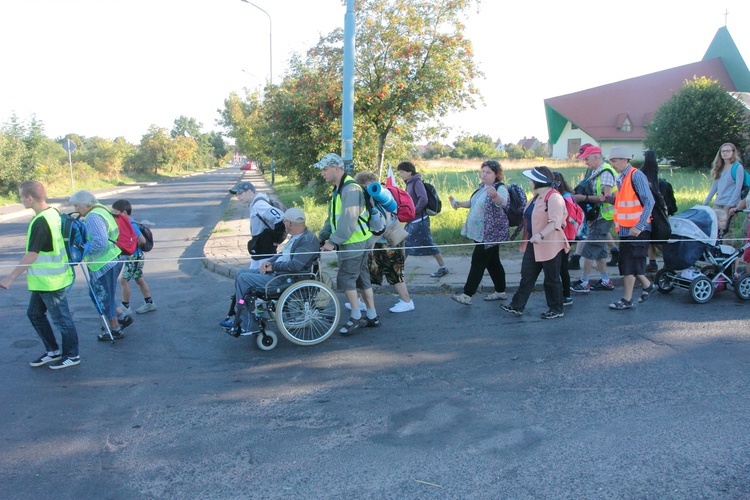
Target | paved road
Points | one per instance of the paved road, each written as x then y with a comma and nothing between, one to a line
449,401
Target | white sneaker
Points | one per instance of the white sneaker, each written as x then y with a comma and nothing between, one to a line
146,307
126,311
402,307
362,306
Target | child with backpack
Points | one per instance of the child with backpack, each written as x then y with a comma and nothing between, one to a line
133,269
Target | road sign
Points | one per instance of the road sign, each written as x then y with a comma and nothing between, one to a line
68,145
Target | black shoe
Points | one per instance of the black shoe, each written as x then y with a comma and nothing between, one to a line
552,314
116,335
372,323
65,362
126,322
44,359
574,263
615,258
510,309
352,326
652,267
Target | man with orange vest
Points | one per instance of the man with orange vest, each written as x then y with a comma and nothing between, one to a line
633,204
48,277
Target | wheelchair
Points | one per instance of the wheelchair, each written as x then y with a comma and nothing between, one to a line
303,306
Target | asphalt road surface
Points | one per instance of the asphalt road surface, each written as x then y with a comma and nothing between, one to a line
447,401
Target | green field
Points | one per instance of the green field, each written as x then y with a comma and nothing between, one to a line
460,178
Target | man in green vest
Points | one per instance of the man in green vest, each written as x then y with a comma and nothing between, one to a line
103,259
48,277
346,231
602,180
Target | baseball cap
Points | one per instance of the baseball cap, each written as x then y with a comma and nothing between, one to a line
588,150
294,214
242,186
330,160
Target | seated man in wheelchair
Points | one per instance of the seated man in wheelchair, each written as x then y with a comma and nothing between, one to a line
298,256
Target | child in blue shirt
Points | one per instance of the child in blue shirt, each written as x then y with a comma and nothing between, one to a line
133,268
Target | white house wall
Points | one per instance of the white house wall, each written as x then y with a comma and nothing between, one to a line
560,148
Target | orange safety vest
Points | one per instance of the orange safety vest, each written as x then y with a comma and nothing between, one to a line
628,208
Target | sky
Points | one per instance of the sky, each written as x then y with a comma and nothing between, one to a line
113,68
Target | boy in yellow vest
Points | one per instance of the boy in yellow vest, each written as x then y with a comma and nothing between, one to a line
48,277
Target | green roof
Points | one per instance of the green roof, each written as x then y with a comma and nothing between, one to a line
722,46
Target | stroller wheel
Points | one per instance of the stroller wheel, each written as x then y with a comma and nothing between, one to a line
664,279
742,287
702,289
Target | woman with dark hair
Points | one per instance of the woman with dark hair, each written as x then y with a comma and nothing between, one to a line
562,186
650,169
419,242
487,226
543,219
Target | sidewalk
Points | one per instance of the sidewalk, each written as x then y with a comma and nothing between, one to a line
226,253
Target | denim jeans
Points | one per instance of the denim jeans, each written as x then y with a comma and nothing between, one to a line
105,288
530,270
56,304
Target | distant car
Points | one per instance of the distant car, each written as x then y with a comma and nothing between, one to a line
248,166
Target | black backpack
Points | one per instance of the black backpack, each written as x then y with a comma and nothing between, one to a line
434,205
516,205
146,232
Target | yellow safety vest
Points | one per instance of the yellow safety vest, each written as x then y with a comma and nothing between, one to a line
110,251
334,212
50,271
607,209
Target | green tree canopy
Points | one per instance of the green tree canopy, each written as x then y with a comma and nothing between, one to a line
476,146
690,127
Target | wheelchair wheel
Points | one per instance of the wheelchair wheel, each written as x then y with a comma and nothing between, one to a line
742,287
267,340
701,289
307,312
664,281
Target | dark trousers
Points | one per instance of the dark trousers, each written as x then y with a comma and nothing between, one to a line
565,276
481,259
530,270
56,304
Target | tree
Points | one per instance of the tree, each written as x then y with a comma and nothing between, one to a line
186,127
690,127
477,146
413,64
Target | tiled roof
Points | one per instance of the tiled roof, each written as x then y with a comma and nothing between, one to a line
600,110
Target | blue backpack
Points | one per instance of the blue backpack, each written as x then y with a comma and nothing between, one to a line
745,181
75,237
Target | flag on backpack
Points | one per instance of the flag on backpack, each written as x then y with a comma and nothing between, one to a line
127,241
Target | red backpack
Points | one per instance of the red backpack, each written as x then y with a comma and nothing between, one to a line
575,215
405,211
127,241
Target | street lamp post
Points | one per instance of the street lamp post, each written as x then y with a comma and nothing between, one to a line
270,72
270,41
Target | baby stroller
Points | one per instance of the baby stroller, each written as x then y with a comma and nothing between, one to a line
695,258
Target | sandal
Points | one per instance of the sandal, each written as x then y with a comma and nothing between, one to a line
352,325
496,296
621,304
462,299
646,293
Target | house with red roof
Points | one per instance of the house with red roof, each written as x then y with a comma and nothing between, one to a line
617,114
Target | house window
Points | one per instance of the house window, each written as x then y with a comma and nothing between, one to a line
626,125
573,126
573,146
